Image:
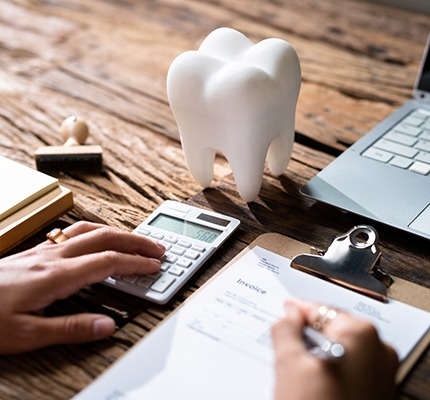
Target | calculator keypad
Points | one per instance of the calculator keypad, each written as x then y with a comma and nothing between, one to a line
180,256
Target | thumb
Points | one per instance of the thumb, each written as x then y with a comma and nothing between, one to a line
77,328
287,335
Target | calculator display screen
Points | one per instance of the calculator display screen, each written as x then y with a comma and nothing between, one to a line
186,228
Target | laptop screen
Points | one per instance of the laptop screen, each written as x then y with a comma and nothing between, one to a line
424,75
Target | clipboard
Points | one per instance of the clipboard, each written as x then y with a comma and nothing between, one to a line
172,359
399,289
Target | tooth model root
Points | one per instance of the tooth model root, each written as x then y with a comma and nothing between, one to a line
280,150
248,171
200,162
239,99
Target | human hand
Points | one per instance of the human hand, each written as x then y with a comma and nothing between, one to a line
33,279
366,372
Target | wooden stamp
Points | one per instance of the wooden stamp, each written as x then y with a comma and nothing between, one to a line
74,155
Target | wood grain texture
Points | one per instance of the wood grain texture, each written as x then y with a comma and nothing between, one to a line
106,61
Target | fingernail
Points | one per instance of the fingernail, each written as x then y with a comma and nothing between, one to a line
161,246
290,308
155,262
103,327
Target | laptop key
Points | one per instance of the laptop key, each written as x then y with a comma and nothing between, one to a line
420,168
422,111
423,156
400,138
396,148
401,162
408,129
425,135
377,154
423,145
412,120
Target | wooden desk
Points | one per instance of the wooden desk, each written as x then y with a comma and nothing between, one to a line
106,62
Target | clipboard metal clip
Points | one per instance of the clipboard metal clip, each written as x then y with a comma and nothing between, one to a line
350,261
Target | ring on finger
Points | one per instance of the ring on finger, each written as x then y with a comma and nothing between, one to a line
325,315
57,236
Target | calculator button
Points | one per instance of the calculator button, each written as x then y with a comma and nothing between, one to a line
155,275
164,266
157,235
162,284
170,258
144,282
182,262
198,248
178,251
129,278
184,243
166,245
175,270
193,255
142,231
171,239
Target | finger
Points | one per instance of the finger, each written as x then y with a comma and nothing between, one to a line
76,229
33,332
106,238
309,308
321,316
96,267
74,273
343,327
81,227
287,335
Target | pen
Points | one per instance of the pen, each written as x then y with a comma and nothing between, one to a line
322,347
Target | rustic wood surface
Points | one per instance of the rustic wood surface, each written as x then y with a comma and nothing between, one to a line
106,61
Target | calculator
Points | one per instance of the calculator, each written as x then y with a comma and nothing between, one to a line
190,235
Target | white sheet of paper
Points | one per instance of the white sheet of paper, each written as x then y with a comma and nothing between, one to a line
218,345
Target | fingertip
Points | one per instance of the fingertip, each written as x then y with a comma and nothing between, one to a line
150,266
161,247
291,324
103,327
293,311
155,262
287,336
290,306
37,332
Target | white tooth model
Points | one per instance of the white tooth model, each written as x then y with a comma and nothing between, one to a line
239,99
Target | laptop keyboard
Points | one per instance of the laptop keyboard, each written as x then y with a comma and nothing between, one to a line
406,145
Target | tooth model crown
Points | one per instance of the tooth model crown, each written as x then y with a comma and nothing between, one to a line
239,99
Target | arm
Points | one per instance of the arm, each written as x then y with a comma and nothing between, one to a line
33,279
366,372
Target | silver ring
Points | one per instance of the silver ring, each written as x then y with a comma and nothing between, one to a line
325,315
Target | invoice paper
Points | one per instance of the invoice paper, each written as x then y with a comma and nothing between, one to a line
218,345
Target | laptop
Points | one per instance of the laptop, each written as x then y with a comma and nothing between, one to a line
385,176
